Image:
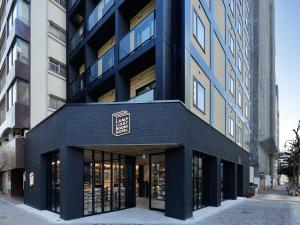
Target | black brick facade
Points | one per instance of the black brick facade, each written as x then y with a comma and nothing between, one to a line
166,123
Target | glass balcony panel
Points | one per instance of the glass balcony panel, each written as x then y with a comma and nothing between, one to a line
78,36
146,97
102,65
99,12
143,32
71,3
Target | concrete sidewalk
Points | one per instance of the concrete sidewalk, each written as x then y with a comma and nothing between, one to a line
134,216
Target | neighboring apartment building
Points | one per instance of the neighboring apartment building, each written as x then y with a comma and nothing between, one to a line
162,113
33,74
264,94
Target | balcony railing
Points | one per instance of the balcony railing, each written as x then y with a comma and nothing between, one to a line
139,35
145,97
97,14
94,72
78,36
71,3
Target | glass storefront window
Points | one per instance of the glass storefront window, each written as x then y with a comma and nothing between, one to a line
104,182
198,181
157,182
87,183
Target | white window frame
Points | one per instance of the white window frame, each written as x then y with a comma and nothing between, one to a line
231,44
239,99
231,85
231,126
231,6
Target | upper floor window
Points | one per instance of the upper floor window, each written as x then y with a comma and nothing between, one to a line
199,96
231,85
56,102
18,92
19,51
2,111
239,26
239,99
231,6
231,44
247,110
239,135
145,89
240,63
61,2
247,80
20,11
57,67
198,30
231,126
57,31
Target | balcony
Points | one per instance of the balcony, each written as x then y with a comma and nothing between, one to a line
138,36
78,36
94,72
145,97
97,14
71,3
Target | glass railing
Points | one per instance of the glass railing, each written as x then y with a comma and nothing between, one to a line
94,72
78,36
99,12
143,32
102,65
71,3
145,97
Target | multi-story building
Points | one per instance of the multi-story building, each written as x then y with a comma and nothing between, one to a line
33,75
158,112
264,94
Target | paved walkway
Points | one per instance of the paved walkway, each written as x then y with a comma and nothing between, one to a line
270,208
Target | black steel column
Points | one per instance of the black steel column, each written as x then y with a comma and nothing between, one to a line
214,182
179,201
130,200
163,53
71,183
240,183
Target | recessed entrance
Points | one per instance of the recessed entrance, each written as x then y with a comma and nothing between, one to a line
150,182
53,182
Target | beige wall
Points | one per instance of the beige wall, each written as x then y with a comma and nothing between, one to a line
204,54
219,111
198,74
142,14
219,15
109,96
141,79
44,45
219,61
108,45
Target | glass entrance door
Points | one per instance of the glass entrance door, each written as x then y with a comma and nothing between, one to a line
53,177
157,182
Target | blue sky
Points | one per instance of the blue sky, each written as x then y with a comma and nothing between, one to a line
288,65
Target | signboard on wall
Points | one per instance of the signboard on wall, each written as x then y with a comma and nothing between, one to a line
121,123
31,179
